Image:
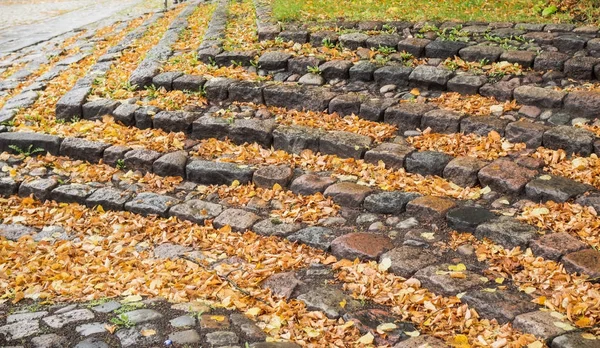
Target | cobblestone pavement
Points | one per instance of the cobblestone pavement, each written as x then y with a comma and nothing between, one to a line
203,177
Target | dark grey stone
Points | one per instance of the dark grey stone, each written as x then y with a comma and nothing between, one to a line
427,162
583,103
298,97
441,121
39,188
388,202
581,68
196,211
274,60
483,125
115,153
268,176
541,97
83,149
217,173
238,219
550,61
383,40
569,43
406,116
142,75
141,159
345,104
463,171
466,219
430,76
174,121
217,88
165,80
125,114
316,237
25,140
392,154
192,83
147,203
466,84
502,305
362,71
525,132
406,260
353,41
336,69
144,115
253,130
15,231
477,53
556,188
208,126
299,65
502,90
295,139
72,193
96,109
109,198
523,58
392,75
171,164
507,231
373,109
443,49
70,105
414,46
299,36
344,144
570,139
227,58
246,91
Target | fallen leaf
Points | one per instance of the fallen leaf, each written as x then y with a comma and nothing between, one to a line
366,339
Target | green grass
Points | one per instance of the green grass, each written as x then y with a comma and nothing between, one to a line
421,10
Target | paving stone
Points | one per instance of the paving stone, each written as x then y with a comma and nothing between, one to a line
96,109
311,79
107,307
353,41
344,144
250,331
365,246
505,176
125,113
414,46
502,305
406,260
483,125
274,60
72,193
427,162
507,231
552,246
556,188
115,153
90,328
92,342
298,97
348,194
83,149
27,316
8,186
183,321
466,84
569,43
109,198
221,338
70,105
463,171
25,140
39,188
60,320
165,80
586,261
592,199
336,69
133,338
21,101
502,90
170,251
253,131
327,299
443,49
49,341
466,219
217,88
217,173
299,65
392,75
185,337
148,203
20,329
392,154
141,159
525,132
269,176
214,322
570,139
407,116
542,97
393,202
362,71
478,52
247,92
192,83
441,121
144,115
573,340
345,104
430,76
540,324
583,103
422,341
295,139
438,279
274,227
316,237
373,109
171,164
239,220
15,231
208,126
550,61
143,315
309,184
368,320
174,121
581,68
196,210
428,208
281,284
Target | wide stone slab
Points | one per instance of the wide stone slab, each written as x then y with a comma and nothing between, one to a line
362,245
406,260
439,279
239,220
148,203
554,188
27,141
507,231
217,173
196,210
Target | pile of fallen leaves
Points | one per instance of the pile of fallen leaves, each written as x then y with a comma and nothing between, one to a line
582,169
494,70
579,221
476,105
240,31
489,147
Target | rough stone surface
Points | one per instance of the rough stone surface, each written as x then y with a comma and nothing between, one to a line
72,193
348,194
238,219
542,97
438,279
174,121
427,162
586,261
83,149
466,219
147,203
141,159
554,188
430,76
196,210
317,237
171,164
428,208
538,323
360,245
525,132
309,184
552,246
570,139
327,299
392,154
296,139
344,144
441,121
583,103
281,284
406,260
57,321
217,173
109,198
39,188
388,202
96,109
463,171
24,140
502,305
505,176
507,232
573,340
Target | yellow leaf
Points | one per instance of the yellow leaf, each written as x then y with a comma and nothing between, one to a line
100,209
366,339
385,264
148,332
583,322
343,303
563,325
110,328
383,328
217,318
536,344
235,183
545,177
499,280
458,275
489,290
412,333
529,290
540,211
131,298
254,311
459,341
588,336
276,187
458,267
428,235
460,295
485,190
415,92
312,333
